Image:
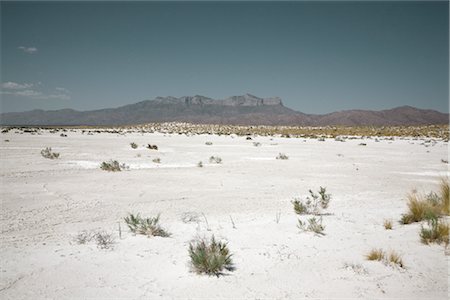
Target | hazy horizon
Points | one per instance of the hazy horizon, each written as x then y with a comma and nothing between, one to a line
318,57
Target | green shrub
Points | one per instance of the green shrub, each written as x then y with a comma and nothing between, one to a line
282,156
210,257
215,159
314,225
313,204
133,145
47,153
113,166
437,232
146,226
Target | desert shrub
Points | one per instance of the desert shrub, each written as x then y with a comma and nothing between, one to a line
257,144
282,156
387,224
215,160
210,257
113,166
314,203
104,240
437,232
152,147
133,145
314,225
47,153
208,143
156,160
200,164
190,217
146,226
83,237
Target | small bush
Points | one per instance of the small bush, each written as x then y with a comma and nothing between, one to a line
282,156
47,153
215,160
83,237
208,143
257,144
200,164
104,240
437,232
113,166
152,147
314,225
313,204
146,226
133,145
157,160
387,224
210,257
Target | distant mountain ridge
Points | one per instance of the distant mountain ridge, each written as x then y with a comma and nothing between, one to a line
237,110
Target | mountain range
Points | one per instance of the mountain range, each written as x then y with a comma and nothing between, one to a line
239,110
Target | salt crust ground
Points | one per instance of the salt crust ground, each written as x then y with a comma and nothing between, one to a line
45,203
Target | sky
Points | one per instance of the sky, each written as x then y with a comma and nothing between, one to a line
319,57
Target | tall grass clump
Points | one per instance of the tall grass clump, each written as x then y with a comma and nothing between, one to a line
420,208
445,196
145,226
47,153
210,257
314,204
437,232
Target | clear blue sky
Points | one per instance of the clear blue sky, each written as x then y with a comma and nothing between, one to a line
317,56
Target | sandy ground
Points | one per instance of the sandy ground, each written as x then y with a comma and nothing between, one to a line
46,203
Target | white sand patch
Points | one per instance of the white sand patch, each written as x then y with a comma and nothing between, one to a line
45,203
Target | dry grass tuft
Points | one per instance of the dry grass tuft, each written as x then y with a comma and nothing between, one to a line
391,258
445,196
387,224
376,254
